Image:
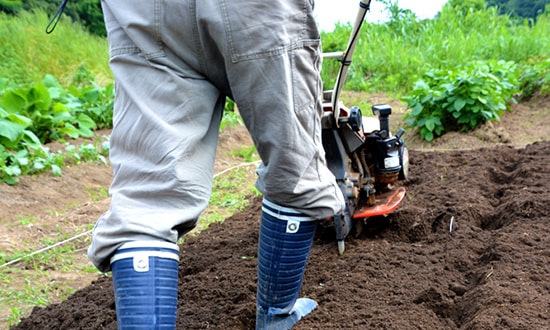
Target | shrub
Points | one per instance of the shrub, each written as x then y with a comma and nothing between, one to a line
535,77
461,98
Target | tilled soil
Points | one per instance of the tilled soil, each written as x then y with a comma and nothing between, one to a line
468,249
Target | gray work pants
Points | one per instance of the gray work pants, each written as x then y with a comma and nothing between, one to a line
174,63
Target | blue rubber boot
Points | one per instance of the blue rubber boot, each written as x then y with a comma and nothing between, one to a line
285,241
145,277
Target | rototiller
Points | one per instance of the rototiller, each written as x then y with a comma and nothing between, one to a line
366,159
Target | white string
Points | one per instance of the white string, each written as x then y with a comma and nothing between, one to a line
237,166
46,248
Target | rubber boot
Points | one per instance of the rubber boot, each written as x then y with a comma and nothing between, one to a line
145,278
285,242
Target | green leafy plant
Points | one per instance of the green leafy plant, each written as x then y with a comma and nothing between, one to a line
27,162
53,112
14,130
247,153
230,118
535,78
96,102
32,115
461,98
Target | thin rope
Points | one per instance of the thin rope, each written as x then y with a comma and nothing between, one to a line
237,166
46,248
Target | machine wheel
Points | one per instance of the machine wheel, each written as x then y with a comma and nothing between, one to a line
404,162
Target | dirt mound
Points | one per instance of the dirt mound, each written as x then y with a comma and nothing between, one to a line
468,249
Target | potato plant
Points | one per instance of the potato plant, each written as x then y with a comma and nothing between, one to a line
461,98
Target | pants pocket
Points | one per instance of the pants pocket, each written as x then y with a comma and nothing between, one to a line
306,79
258,29
134,26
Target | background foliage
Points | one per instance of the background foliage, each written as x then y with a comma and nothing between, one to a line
88,12
524,9
85,12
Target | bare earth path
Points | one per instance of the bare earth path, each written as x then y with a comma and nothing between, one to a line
468,249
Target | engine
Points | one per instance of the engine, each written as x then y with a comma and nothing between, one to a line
367,161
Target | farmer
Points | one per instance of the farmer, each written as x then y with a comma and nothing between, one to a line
174,63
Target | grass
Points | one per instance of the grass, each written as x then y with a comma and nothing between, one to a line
40,279
25,220
45,263
97,193
27,53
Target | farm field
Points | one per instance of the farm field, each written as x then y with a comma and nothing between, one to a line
487,268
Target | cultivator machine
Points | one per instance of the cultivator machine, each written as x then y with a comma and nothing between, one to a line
366,159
